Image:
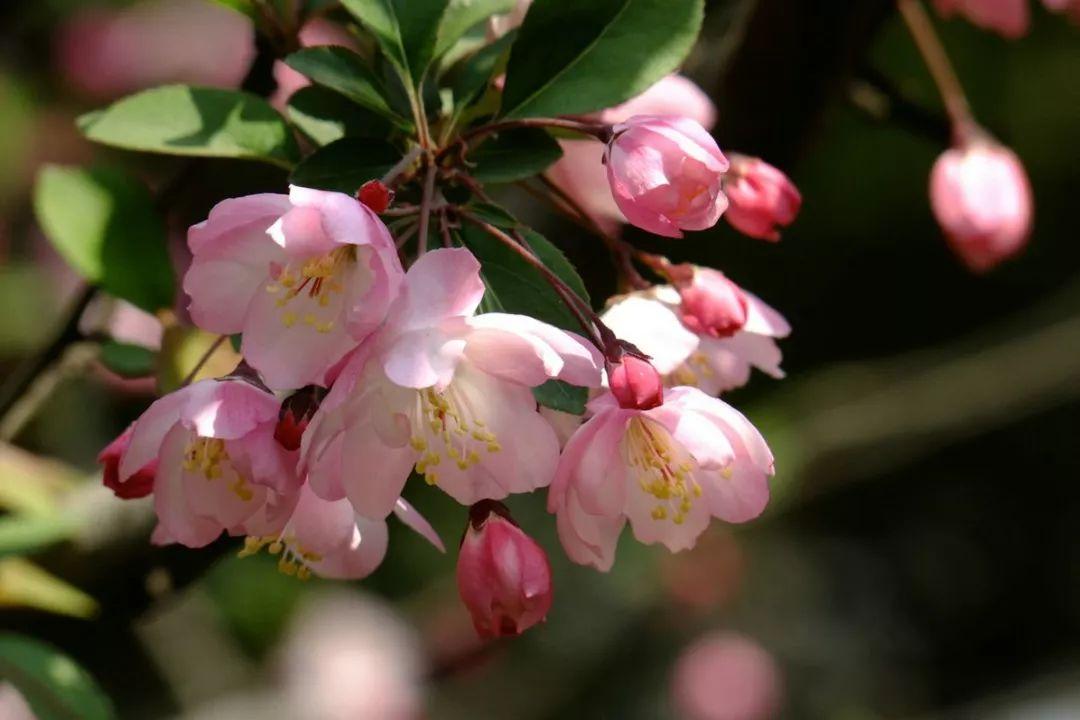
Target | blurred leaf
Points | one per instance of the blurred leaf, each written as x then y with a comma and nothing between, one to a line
259,625
55,687
26,286
343,71
574,57
128,360
325,116
515,155
23,584
104,224
477,72
25,534
404,29
562,396
33,485
182,348
244,7
184,120
461,15
346,164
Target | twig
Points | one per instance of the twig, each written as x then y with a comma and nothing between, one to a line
425,206
393,175
937,61
444,229
203,360
600,131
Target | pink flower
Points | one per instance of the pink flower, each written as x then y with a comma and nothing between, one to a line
761,198
635,383
503,576
580,172
726,676
1009,18
981,197
303,276
217,461
316,32
139,484
445,391
667,470
665,174
695,352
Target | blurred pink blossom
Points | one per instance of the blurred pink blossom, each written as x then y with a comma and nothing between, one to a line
1009,18
13,705
726,676
1072,7
317,31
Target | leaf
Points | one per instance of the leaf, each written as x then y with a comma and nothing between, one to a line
562,396
182,348
476,72
343,71
244,7
576,57
33,485
104,224
461,15
346,164
128,360
24,584
184,120
405,30
23,534
515,155
54,686
325,116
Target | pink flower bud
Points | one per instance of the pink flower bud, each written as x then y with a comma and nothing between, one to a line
761,198
636,384
981,197
503,576
1008,18
138,485
375,195
665,174
712,304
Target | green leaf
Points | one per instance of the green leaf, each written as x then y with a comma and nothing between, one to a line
461,15
562,396
23,534
405,30
24,584
346,164
476,72
515,155
325,116
104,224
184,120
54,686
343,71
577,57
244,7
128,360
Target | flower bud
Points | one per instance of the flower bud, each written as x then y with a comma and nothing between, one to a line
636,384
503,576
665,174
375,195
138,485
712,304
296,412
761,198
981,198
1008,18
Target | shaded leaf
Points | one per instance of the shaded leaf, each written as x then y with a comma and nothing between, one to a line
24,534
562,396
405,30
343,71
461,15
128,360
515,155
33,485
346,164
54,686
477,72
325,116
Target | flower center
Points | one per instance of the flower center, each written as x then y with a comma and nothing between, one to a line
319,280
662,469
444,423
693,370
294,560
209,458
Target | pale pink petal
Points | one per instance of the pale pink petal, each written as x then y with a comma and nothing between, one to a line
595,463
671,95
170,499
360,558
251,215
699,435
373,474
758,350
426,357
227,409
763,319
441,284
649,529
737,495
525,350
654,329
588,539
300,233
149,431
409,515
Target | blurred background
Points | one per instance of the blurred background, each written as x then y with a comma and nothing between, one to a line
920,557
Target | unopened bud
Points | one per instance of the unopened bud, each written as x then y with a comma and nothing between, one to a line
711,303
296,412
375,195
635,383
761,198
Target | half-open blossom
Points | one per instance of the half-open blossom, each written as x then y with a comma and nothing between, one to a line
665,174
667,470
217,459
1008,18
138,485
303,276
655,321
503,575
761,198
981,197
445,391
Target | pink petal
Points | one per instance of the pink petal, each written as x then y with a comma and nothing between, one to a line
654,329
525,350
226,409
763,319
409,515
441,284
149,431
170,500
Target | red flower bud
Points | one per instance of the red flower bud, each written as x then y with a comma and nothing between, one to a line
296,412
503,575
375,195
138,485
761,198
712,304
635,383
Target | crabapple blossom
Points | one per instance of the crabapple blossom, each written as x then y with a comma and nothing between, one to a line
503,575
446,391
303,276
667,470
981,197
635,383
665,174
140,484
1008,18
760,198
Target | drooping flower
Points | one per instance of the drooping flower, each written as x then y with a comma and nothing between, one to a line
665,174
217,461
303,276
981,197
503,575
446,391
710,342
1008,18
667,470
761,198
138,485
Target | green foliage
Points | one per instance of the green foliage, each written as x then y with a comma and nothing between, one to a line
344,72
104,224
127,360
52,683
461,15
515,155
325,116
476,72
184,120
346,164
406,30
24,584
574,57
21,534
